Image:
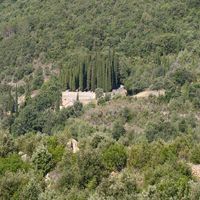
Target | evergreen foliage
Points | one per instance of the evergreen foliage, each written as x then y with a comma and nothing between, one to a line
32,190
90,71
42,160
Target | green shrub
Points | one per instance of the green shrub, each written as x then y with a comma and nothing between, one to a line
195,154
37,82
114,157
55,149
118,130
181,76
27,143
50,194
79,128
99,93
31,191
12,163
91,169
170,179
194,190
160,130
120,186
139,156
42,160
96,140
7,144
101,101
11,185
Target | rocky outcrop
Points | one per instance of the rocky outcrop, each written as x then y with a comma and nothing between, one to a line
195,170
52,178
73,145
24,156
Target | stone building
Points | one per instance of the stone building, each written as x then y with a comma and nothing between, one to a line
68,98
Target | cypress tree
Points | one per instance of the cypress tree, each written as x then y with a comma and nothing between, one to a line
10,102
115,71
16,100
66,78
58,102
91,71
27,93
93,75
70,78
110,77
77,97
73,86
84,76
109,84
76,74
88,74
102,71
98,71
104,76
81,76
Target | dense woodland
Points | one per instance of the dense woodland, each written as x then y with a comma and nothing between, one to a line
142,149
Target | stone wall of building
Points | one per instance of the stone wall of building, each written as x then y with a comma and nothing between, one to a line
68,98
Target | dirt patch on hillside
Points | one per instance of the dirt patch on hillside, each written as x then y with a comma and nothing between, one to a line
21,99
148,93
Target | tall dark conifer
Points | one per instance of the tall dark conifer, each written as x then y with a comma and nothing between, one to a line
27,93
10,102
16,99
88,66
95,70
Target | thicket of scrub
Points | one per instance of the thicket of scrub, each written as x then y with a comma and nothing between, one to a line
128,149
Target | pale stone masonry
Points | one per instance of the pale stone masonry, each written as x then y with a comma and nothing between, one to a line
68,98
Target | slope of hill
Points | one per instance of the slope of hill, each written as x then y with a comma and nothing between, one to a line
144,34
120,148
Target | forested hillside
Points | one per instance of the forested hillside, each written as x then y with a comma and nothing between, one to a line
145,35
120,148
